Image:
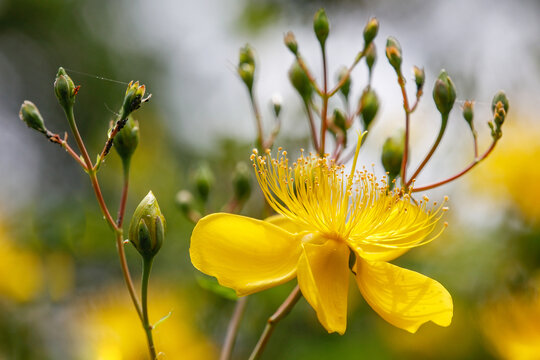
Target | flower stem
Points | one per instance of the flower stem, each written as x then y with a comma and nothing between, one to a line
232,329
122,208
147,267
281,312
325,97
404,160
258,119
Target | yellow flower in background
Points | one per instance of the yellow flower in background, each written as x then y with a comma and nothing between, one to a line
107,328
512,326
326,217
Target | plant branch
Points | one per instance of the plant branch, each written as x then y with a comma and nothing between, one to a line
232,329
147,267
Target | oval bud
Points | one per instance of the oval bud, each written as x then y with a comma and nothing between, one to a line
276,102
204,180
419,78
393,53
468,112
371,55
247,74
184,200
127,139
147,227
346,87
444,93
290,42
369,105
29,113
300,81
246,56
133,99
241,182
371,30
64,88
500,96
392,155
321,26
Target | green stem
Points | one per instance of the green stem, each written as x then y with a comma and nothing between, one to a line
325,97
147,267
232,329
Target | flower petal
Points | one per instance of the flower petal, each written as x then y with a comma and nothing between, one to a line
286,224
323,276
245,254
404,298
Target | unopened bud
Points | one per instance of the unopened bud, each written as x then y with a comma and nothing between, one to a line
346,87
499,114
321,26
419,78
246,56
369,105
29,113
499,96
392,155
247,73
184,200
393,53
64,88
134,98
204,180
468,113
241,182
147,227
127,139
300,81
444,93
371,55
370,31
290,42
276,102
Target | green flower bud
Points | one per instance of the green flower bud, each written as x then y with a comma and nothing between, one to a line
393,53
369,105
468,113
127,139
290,42
338,125
276,102
500,96
300,81
499,115
321,26
371,30
204,180
371,55
147,227
346,87
419,78
29,113
184,200
241,181
65,89
392,155
247,74
444,93
133,99
246,56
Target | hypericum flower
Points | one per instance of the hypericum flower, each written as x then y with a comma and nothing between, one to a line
327,217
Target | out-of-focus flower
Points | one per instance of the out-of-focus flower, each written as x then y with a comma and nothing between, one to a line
513,168
20,271
327,218
108,329
512,326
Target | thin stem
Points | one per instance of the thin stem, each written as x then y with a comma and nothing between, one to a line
55,138
147,267
281,312
119,125
126,274
461,173
405,158
258,119
123,199
232,329
312,127
348,74
324,111
431,151
309,75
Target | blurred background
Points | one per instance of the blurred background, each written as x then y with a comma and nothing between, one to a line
61,290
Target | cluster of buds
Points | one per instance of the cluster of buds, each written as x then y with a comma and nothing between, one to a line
499,108
133,99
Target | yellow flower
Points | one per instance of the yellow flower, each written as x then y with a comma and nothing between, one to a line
327,217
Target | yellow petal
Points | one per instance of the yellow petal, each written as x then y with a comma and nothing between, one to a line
404,298
323,276
286,224
245,254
